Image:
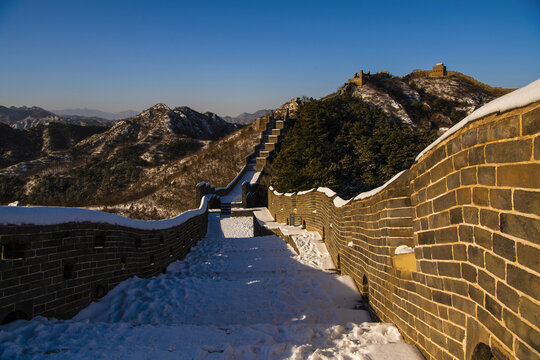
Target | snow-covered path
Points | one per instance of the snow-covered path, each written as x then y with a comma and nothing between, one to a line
235,195
239,297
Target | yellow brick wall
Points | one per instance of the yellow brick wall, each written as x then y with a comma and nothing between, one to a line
471,209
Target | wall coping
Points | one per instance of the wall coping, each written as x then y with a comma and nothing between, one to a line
52,215
518,98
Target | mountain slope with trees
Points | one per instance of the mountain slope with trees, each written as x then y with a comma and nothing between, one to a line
358,138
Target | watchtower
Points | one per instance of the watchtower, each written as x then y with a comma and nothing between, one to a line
438,70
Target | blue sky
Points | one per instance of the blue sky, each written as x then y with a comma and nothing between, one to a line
234,56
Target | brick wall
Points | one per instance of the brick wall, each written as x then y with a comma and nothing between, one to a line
470,207
57,270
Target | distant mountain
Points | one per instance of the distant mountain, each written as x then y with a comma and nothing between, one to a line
27,117
246,118
96,113
75,169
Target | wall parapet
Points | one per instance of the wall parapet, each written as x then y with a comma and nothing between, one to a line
469,207
56,261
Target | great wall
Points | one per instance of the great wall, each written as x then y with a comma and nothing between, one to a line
469,208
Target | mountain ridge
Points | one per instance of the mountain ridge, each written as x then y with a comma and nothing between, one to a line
95,113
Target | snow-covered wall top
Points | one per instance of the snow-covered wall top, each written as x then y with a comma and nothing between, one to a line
48,215
516,99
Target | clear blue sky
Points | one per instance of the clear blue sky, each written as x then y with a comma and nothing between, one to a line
235,56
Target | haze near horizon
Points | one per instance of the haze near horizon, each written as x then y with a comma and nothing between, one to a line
234,57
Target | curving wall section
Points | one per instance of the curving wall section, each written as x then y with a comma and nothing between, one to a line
70,257
470,209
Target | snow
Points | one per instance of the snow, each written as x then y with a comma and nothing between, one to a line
237,227
350,244
403,249
339,202
377,190
231,298
305,192
327,191
50,215
235,194
518,98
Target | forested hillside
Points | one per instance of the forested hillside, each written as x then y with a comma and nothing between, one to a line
347,145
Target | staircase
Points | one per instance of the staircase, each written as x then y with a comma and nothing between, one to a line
271,137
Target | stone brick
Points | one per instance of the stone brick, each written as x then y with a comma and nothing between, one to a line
466,233
476,155
426,238
530,122
527,201
482,238
436,189
443,252
470,215
493,307
456,216
435,157
439,220
524,352
519,175
528,256
494,326
444,202
476,255
441,298
461,160
501,198
495,265
486,281
449,269
421,182
520,226
508,296
476,295
490,219
509,151
522,330
486,175
522,280
468,176
442,169
456,317
463,196
452,181
469,138
428,267
424,209
447,235
480,196
460,252
453,146
504,247
455,348
529,310
501,129
537,148
468,272
465,305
